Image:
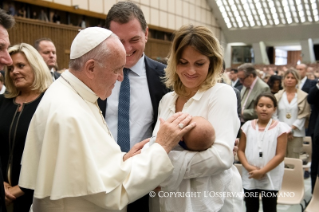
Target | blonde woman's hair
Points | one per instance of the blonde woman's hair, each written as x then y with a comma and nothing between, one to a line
42,76
295,73
204,41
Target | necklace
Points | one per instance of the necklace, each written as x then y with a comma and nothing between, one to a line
103,120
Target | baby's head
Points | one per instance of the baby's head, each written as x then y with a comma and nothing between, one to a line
201,137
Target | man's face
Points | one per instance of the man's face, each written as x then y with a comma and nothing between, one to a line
5,58
132,37
112,71
48,52
232,75
246,80
302,69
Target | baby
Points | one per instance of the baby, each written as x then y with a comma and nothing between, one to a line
201,137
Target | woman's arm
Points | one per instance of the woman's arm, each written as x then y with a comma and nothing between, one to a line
221,112
275,161
241,153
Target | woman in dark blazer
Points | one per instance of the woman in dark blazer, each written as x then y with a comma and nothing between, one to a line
26,79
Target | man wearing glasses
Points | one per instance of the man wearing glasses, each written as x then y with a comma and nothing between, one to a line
252,87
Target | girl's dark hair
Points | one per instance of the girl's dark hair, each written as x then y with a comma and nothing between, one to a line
268,95
272,80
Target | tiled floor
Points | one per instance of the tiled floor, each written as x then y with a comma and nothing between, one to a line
291,208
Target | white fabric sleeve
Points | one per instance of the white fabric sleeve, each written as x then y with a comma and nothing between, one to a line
283,128
222,114
131,188
244,128
299,123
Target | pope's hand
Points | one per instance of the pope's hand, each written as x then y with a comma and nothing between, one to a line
136,149
173,129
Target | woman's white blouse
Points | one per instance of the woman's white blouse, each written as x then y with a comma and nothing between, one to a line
285,107
211,169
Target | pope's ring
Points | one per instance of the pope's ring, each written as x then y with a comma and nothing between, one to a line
181,126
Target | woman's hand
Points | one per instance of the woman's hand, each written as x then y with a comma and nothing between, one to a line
256,174
16,191
251,168
9,197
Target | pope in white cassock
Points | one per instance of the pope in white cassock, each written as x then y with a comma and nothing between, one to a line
70,158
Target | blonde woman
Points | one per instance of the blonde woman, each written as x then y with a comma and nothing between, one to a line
194,65
26,79
294,110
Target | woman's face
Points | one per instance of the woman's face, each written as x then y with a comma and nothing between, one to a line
192,69
276,84
21,72
290,80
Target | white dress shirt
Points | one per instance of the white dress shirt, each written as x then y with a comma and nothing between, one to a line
141,109
233,83
302,82
3,89
285,107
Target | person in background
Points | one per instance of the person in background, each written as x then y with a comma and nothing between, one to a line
274,84
313,99
234,79
27,79
262,149
305,83
293,109
6,22
143,77
252,87
47,50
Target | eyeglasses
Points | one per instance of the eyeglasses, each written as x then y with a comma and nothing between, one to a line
243,79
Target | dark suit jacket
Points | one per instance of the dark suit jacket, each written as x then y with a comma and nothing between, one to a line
238,85
313,99
157,89
2,196
308,85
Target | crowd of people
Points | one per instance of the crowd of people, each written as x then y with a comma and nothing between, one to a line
74,141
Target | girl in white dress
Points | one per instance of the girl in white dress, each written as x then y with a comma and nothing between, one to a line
262,149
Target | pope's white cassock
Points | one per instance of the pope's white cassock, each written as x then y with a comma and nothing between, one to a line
72,162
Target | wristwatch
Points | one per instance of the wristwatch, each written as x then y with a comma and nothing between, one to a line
292,131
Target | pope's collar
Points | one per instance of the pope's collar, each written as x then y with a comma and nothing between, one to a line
82,89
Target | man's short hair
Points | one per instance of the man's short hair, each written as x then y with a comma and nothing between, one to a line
124,11
37,42
7,21
234,70
248,68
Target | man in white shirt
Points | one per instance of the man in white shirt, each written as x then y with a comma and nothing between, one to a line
305,83
2,86
47,50
70,158
235,83
126,20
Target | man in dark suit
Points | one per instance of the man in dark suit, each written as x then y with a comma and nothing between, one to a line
146,89
305,83
313,99
6,22
47,50
235,82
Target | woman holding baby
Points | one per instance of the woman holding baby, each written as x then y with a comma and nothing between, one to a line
194,64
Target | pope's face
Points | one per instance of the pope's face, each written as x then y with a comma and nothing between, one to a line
133,39
112,69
